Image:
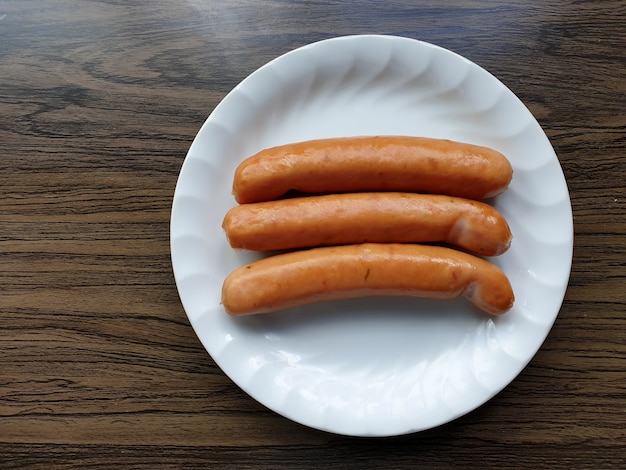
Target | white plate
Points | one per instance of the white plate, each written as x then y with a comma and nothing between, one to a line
382,366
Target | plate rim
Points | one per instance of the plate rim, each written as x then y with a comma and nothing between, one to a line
224,102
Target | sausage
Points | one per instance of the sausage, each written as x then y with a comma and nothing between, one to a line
338,272
341,219
378,163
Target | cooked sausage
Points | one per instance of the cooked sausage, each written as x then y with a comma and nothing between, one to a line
331,273
381,163
341,219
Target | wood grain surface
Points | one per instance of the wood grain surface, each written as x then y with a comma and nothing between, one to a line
99,102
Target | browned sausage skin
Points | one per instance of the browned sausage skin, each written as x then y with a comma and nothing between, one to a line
379,163
341,219
330,273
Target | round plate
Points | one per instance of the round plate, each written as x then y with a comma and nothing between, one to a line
376,366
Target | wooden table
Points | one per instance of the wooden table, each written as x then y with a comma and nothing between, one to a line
99,102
